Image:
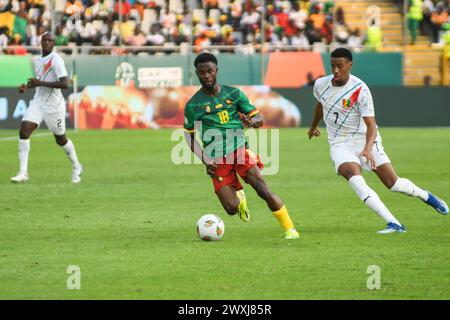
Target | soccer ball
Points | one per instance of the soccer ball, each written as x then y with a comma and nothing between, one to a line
210,227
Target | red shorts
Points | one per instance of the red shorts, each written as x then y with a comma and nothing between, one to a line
238,162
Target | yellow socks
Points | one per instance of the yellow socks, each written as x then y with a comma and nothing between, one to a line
283,218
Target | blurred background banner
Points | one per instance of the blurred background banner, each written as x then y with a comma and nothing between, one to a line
113,107
13,105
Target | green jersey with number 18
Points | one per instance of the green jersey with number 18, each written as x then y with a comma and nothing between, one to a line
221,126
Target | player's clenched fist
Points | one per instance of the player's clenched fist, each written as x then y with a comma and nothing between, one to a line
22,88
33,83
313,132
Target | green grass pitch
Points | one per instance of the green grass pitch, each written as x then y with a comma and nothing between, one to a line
130,224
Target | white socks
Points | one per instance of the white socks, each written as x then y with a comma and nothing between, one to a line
407,187
24,150
69,149
371,199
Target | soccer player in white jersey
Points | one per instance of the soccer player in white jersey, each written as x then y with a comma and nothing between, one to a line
48,104
345,104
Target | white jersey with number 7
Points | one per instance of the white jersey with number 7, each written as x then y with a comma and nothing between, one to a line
344,108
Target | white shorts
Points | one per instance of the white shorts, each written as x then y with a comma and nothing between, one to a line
53,116
350,152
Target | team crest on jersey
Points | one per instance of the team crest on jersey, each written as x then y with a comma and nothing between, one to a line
350,102
346,103
229,102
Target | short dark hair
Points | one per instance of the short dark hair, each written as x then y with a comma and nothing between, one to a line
342,53
205,57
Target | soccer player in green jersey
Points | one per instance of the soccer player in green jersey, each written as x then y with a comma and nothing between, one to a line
221,112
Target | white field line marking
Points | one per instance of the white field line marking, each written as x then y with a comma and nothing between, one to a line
16,137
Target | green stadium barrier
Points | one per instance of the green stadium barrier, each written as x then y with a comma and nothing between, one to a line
375,69
234,69
14,70
394,106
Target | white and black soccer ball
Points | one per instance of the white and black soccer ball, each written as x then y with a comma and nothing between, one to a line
210,227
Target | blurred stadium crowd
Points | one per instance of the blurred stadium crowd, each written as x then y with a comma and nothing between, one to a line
204,22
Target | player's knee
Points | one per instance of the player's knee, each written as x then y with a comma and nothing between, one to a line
348,173
24,134
231,207
61,140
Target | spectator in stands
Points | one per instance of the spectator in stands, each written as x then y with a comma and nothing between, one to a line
86,33
138,37
21,21
96,10
373,36
326,31
328,7
341,28
210,4
414,17
354,40
317,17
4,37
225,28
300,40
155,38
126,28
227,39
18,49
281,16
126,8
249,23
110,38
438,18
426,26
179,32
213,30
34,37
197,27
299,15
73,7
167,20
38,4
202,40
287,21
312,33
236,14
61,39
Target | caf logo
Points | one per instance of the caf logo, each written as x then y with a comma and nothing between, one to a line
125,75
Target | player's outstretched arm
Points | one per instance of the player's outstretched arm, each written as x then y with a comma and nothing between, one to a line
314,130
62,83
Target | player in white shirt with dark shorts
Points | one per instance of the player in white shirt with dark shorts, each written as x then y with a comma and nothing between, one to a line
48,104
345,104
